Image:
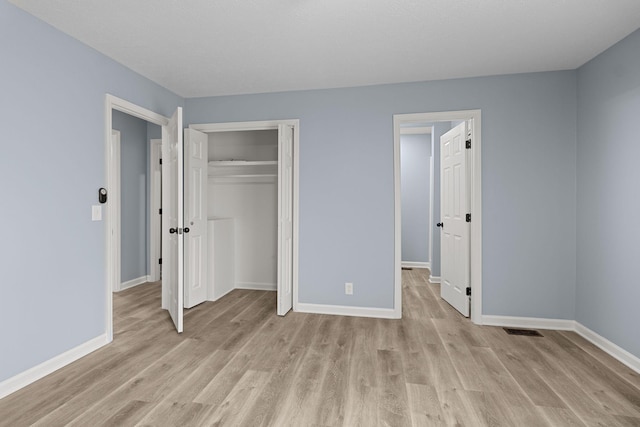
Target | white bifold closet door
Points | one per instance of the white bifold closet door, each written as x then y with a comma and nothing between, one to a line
196,148
285,219
173,220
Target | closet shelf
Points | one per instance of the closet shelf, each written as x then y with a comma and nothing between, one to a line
242,162
255,175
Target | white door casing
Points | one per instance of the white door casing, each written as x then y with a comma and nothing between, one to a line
172,205
455,230
285,218
113,206
113,103
155,217
195,212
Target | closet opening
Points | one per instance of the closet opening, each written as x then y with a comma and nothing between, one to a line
240,194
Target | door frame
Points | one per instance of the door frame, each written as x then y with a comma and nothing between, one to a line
155,218
113,210
475,279
271,125
114,205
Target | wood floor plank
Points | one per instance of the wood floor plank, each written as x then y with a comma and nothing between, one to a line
617,367
241,396
562,417
175,414
424,405
238,363
534,387
393,405
362,392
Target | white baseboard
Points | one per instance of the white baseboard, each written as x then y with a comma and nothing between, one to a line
412,264
434,279
607,346
134,282
343,310
529,322
29,376
256,286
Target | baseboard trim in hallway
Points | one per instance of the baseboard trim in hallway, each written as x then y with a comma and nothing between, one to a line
29,376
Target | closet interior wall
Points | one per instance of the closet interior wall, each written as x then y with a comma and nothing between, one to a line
243,187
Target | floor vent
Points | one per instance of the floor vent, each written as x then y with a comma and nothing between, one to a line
407,268
525,332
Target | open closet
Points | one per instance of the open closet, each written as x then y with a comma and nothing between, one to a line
238,211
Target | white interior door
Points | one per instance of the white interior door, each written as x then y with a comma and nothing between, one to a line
285,219
195,212
455,231
172,219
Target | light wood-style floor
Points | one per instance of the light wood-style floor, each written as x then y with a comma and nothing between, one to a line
240,364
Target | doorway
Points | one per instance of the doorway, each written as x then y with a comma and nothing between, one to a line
113,217
474,196
417,191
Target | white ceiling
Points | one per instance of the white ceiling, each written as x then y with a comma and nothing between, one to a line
220,47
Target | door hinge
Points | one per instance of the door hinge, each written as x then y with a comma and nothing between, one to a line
160,161
468,217
160,211
159,260
468,291
468,144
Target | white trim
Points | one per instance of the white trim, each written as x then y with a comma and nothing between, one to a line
434,279
135,282
431,201
608,347
296,210
113,209
240,126
422,130
32,375
342,310
270,125
256,286
136,111
411,264
115,103
529,322
476,201
155,154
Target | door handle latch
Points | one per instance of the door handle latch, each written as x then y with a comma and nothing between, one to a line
172,230
440,224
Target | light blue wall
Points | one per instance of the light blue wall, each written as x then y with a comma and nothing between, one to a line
134,165
52,256
346,184
608,288
415,168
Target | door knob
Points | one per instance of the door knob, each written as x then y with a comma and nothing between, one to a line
440,224
172,230
186,229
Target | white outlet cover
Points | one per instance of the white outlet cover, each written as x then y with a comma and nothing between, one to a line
348,288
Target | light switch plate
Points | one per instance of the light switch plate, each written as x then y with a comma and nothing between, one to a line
96,213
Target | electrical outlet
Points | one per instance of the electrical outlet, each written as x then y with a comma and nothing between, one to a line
348,288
